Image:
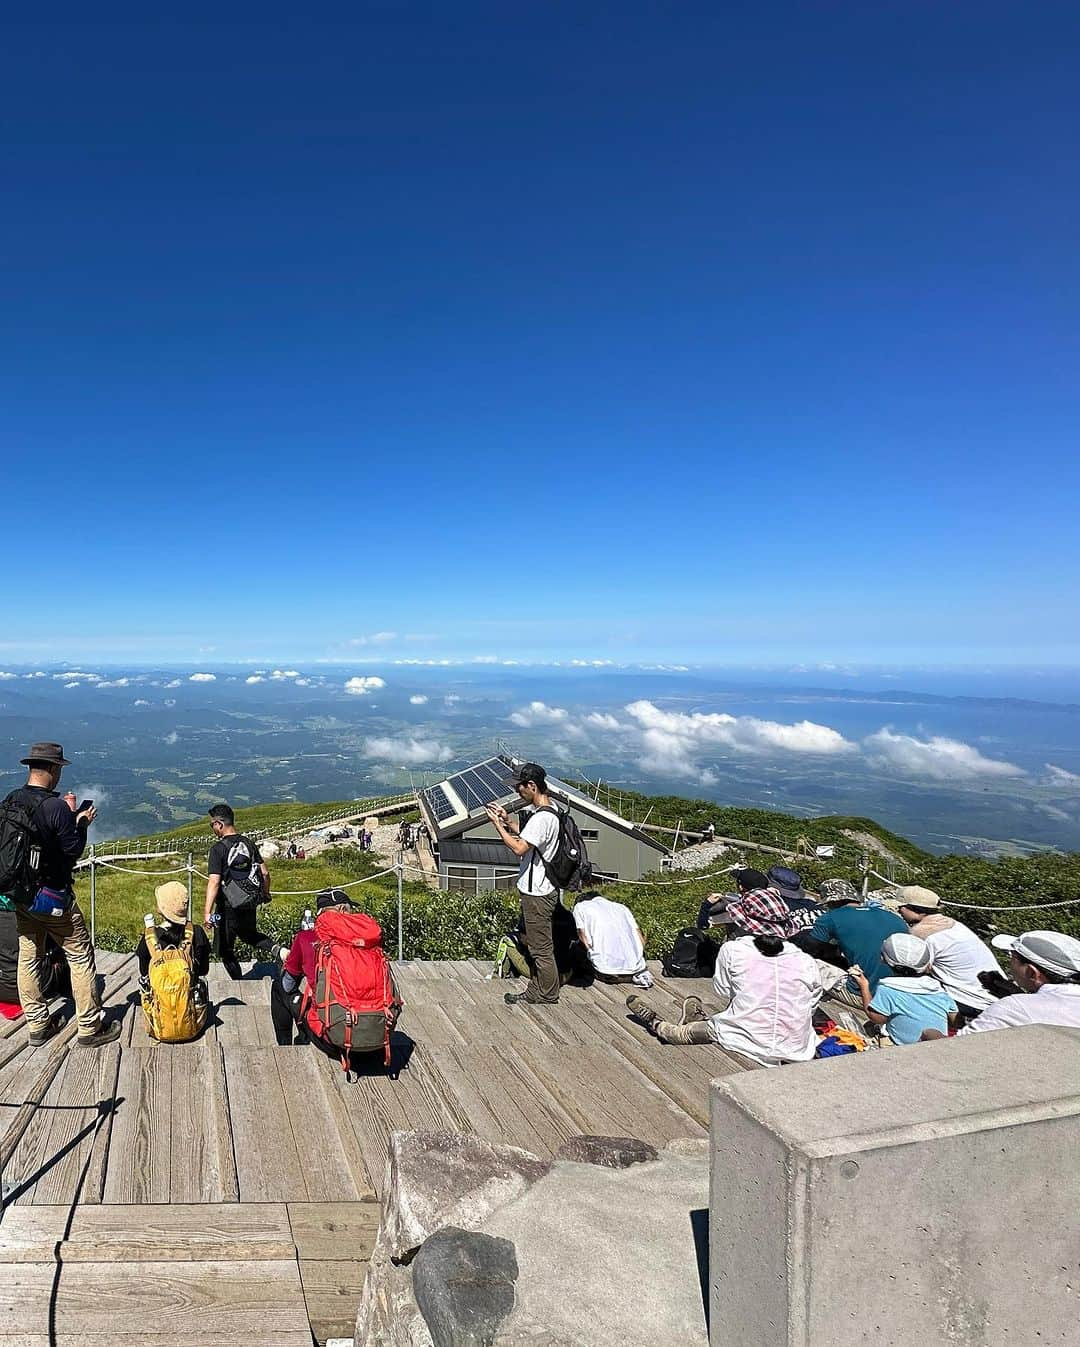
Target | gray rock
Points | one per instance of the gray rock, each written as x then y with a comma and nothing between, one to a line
435,1179
611,1152
464,1286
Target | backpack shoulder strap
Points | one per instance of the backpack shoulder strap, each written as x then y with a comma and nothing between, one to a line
189,937
151,938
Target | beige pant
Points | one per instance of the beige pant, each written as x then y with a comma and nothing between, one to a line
697,1031
70,933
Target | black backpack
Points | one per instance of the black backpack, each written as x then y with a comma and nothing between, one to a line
693,955
20,848
570,867
241,885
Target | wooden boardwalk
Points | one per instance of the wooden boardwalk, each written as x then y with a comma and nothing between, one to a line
226,1191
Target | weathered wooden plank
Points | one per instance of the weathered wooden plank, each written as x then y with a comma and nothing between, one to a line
682,1073
227,1304
268,1167
332,1291
79,1136
334,1231
192,1232
203,1168
334,1169
142,1143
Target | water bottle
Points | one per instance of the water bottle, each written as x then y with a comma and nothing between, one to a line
308,921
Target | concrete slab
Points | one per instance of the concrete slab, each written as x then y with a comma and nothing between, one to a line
926,1194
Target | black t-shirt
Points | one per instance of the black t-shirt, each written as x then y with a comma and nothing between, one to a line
234,855
169,937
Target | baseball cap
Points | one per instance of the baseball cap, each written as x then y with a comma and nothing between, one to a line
333,898
914,895
1051,951
906,951
532,771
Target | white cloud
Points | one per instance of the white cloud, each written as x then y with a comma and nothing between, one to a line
938,758
74,675
302,683
141,701
173,683
38,673
255,678
451,699
116,683
200,678
285,673
1058,776
170,701
485,659
171,737
375,638
4,674
418,699
407,750
674,740
600,720
538,713
361,687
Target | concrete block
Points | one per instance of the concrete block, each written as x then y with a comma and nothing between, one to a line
923,1195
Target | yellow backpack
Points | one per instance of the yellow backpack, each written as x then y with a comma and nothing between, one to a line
172,1015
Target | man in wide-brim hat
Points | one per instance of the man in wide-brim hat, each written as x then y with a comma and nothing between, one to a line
47,909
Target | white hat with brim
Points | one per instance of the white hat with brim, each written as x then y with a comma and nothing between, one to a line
914,895
906,951
1052,951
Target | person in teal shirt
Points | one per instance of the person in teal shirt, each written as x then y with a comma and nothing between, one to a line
857,932
908,1000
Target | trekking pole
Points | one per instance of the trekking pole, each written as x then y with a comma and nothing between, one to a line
400,933
190,863
93,899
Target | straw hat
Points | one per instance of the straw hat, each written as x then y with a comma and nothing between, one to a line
172,901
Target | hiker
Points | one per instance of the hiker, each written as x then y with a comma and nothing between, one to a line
47,909
335,987
759,909
612,939
53,974
772,989
176,1007
238,881
1046,966
708,833
856,932
533,844
908,1000
512,957
959,957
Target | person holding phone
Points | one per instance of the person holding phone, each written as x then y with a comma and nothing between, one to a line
53,913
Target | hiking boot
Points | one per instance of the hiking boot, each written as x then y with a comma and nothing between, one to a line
105,1033
512,998
640,1011
692,1010
52,1027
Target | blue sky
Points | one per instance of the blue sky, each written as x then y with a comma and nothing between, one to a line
726,333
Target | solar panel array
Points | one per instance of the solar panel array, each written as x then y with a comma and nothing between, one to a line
481,785
439,804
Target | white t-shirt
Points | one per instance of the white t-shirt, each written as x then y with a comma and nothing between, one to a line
611,934
541,831
1053,1003
772,1002
959,957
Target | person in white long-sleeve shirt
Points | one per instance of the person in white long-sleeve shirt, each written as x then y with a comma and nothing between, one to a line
772,989
957,954
1046,964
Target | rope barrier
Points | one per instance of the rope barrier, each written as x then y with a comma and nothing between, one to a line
1026,907
127,870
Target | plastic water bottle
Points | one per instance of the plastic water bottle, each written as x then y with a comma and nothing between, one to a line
308,921
148,920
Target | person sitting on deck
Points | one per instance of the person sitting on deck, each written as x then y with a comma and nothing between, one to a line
613,939
1046,965
176,1009
772,989
347,1002
960,958
758,909
788,884
908,1000
856,933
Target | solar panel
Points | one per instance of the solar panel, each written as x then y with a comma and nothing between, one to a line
439,803
473,790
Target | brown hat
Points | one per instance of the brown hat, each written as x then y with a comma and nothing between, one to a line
171,901
45,754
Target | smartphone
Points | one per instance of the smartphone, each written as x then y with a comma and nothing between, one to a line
86,804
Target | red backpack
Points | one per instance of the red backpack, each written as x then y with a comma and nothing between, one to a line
353,1004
